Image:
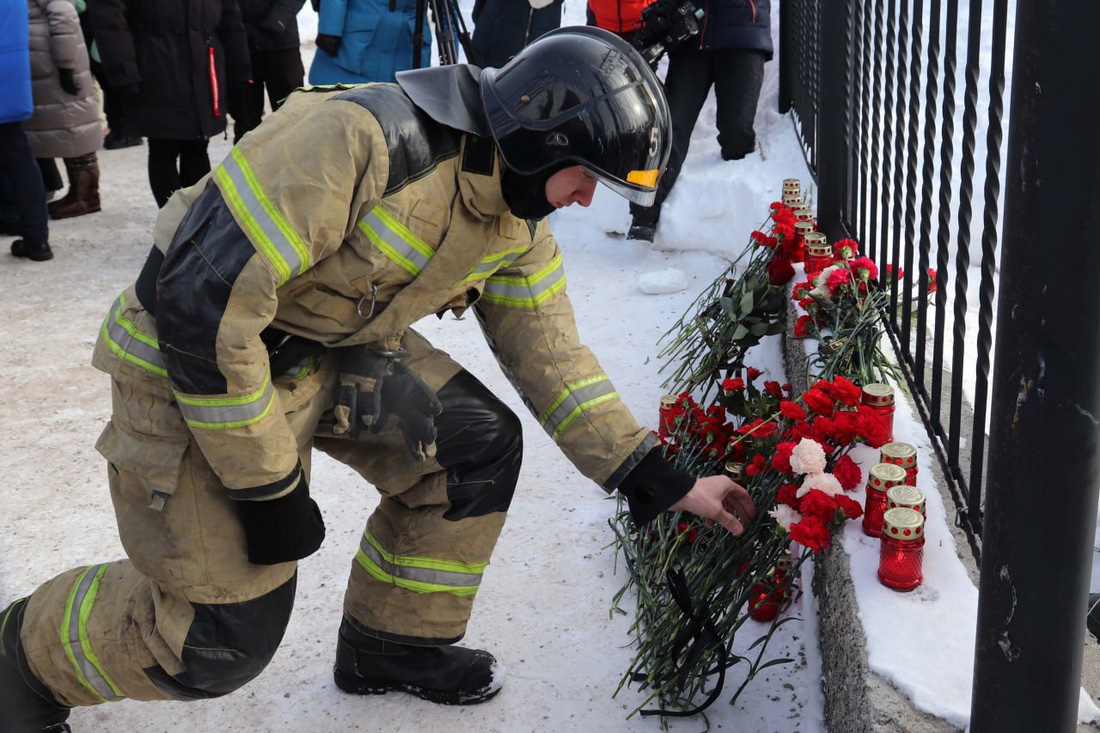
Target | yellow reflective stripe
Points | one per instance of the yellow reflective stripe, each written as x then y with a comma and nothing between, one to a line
491,264
526,292
396,241
74,637
575,399
419,574
266,226
220,413
139,349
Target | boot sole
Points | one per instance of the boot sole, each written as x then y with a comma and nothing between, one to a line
74,214
360,686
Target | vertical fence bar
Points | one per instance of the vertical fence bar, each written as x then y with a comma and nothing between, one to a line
962,250
898,160
889,72
833,68
947,157
911,160
990,214
876,143
1046,384
862,226
785,57
931,90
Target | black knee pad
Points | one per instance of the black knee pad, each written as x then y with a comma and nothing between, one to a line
480,444
228,645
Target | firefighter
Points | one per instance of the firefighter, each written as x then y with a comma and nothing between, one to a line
273,316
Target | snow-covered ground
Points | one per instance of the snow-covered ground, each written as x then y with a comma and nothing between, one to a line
543,608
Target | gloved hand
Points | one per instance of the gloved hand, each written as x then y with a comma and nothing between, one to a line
659,17
328,44
283,529
540,4
374,384
68,82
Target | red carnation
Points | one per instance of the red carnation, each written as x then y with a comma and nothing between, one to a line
850,507
845,427
736,384
804,326
792,411
865,267
847,473
780,271
759,463
872,428
752,374
932,287
818,504
772,389
818,402
890,271
845,392
837,279
811,532
781,459
846,249
788,494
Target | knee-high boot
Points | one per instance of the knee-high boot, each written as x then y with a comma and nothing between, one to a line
83,195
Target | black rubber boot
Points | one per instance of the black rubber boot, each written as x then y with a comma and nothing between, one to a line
33,249
449,675
25,703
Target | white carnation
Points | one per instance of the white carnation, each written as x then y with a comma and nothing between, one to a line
785,516
808,457
825,482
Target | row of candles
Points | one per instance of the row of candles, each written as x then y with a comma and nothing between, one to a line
819,254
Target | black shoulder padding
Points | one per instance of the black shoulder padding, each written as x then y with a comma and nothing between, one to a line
416,143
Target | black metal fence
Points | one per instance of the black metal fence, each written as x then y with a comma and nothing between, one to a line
900,108
875,89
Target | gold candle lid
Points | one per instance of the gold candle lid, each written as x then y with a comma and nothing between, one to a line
792,183
902,524
802,228
818,249
878,395
901,454
884,475
909,497
735,470
816,238
667,401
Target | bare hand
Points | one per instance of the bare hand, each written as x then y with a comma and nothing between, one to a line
718,499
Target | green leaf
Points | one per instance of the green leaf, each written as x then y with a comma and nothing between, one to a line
727,306
776,328
759,328
772,663
739,333
747,302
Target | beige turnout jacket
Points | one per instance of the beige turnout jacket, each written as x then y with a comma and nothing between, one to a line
346,217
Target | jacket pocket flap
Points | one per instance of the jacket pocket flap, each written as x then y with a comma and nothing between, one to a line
156,460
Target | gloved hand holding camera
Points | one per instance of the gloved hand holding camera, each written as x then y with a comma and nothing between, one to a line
372,385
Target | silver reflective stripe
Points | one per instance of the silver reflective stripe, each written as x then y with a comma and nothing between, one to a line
77,615
526,292
395,241
226,412
270,230
574,400
427,576
130,344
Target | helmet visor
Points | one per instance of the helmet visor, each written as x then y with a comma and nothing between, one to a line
636,193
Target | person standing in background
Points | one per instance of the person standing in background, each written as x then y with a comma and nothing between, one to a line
112,103
503,27
360,41
621,17
172,62
65,123
17,167
272,29
729,54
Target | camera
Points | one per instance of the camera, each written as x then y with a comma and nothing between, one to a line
665,25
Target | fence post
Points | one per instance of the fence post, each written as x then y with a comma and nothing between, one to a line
830,144
1044,465
786,62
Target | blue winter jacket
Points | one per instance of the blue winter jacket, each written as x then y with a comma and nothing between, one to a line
16,103
736,24
376,42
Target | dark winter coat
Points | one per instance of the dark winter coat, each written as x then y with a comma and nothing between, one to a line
503,27
736,24
63,125
272,25
15,65
182,53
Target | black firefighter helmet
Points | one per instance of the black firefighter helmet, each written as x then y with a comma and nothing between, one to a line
581,95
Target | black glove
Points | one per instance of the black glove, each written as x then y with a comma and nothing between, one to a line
652,486
328,44
283,529
68,82
373,384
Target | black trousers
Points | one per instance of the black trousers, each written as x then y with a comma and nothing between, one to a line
165,175
24,195
281,72
736,75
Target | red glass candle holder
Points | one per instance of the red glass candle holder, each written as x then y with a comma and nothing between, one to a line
901,554
667,413
880,479
904,455
819,254
880,398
